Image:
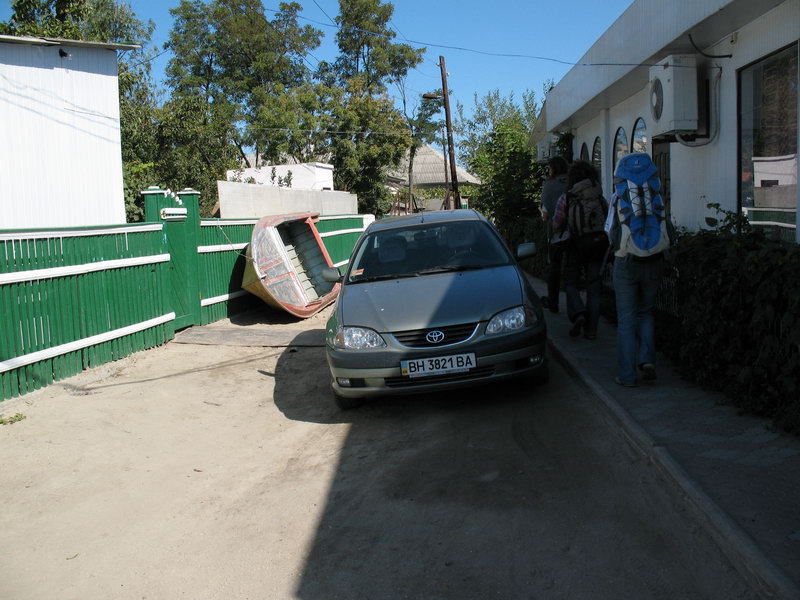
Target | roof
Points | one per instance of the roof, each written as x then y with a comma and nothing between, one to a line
617,64
440,216
428,169
41,41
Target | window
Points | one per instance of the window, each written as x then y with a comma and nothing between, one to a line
639,140
620,145
584,152
768,143
597,156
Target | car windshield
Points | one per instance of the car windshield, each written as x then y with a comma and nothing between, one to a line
425,248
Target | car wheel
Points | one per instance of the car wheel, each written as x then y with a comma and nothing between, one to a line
346,403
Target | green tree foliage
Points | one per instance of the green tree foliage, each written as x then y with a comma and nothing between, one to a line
422,126
495,146
228,52
371,134
45,18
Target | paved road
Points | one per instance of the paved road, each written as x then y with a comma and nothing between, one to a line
500,493
201,470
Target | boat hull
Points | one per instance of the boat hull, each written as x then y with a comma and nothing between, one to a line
285,259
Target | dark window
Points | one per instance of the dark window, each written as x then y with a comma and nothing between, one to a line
620,145
584,152
639,140
768,142
597,155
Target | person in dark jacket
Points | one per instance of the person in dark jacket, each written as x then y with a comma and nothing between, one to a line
554,186
584,255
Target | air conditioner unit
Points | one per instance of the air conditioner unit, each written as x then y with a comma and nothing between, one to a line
673,95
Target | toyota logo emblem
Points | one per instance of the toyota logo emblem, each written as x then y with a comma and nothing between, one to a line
435,337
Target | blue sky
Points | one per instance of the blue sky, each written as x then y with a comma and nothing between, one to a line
557,30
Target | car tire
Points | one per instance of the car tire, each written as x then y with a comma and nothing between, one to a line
346,403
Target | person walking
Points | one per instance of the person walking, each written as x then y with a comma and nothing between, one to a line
639,232
554,186
582,212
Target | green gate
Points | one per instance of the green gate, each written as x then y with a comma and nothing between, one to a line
180,215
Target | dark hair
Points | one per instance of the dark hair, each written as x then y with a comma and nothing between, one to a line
580,170
558,166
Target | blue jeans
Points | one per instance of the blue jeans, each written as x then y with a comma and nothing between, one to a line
589,265
636,284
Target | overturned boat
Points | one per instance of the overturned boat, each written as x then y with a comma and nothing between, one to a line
285,259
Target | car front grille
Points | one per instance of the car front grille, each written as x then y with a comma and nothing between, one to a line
400,382
453,334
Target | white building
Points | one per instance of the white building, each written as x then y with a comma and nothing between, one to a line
61,159
709,88
304,176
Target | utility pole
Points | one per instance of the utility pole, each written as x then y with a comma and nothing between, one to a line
450,147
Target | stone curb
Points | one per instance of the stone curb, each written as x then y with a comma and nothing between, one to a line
751,562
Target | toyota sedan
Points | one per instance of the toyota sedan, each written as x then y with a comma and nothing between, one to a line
429,302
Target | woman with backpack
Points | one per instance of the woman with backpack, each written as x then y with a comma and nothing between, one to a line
582,212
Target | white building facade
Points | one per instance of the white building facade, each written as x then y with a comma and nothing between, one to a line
61,157
735,64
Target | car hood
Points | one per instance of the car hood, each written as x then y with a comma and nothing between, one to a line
433,300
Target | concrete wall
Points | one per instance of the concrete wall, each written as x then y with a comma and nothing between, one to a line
251,201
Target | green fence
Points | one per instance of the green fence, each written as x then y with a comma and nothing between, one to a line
72,299
77,298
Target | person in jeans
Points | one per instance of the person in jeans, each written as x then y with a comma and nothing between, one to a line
636,282
554,186
583,256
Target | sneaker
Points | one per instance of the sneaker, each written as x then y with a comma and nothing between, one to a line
619,381
577,325
648,371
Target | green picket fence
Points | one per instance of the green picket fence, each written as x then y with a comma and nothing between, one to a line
222,246
80,297
73,298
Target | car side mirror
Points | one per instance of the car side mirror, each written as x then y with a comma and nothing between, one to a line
526,250
331,274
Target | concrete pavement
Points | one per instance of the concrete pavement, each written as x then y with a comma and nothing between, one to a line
738,474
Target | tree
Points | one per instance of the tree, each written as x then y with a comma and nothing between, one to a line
422,127
371,134
45,18
497,151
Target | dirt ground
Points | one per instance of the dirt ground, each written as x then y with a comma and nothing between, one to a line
121,481
217,467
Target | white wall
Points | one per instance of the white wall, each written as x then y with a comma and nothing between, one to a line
60,160
249,201
306,176
709,173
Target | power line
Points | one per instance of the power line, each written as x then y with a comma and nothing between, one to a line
481,52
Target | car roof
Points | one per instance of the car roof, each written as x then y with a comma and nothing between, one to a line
434,216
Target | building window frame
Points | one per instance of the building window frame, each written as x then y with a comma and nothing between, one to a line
620,142
740,166
639,126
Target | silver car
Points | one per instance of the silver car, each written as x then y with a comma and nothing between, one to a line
432,301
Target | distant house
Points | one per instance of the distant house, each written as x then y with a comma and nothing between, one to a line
709,88
61,159
428,173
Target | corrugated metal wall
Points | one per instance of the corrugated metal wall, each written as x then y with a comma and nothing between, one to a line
60,160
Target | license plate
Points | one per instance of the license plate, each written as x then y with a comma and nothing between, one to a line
455,363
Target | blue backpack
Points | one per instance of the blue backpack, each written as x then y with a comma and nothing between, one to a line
641,227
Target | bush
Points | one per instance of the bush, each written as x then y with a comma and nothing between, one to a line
737,326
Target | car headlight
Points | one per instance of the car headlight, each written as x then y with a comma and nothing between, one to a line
509,320
357,338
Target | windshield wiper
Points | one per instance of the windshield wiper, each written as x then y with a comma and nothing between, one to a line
449,269
381,277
